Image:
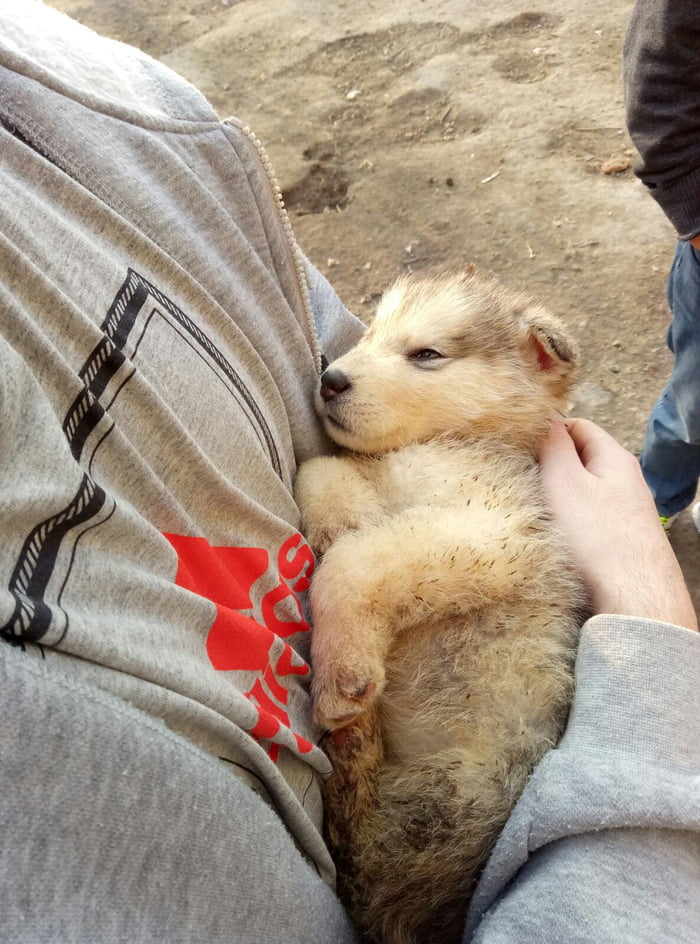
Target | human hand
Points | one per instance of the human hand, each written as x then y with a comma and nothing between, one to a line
604,509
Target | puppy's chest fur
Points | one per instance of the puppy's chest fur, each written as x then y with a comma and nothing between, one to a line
440,675
474,477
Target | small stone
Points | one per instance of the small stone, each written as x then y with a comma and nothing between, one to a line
616,165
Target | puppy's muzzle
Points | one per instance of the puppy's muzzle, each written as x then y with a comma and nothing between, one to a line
333,382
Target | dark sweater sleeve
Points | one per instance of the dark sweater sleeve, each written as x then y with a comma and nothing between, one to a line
662,91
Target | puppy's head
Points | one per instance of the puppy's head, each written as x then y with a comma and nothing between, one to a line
456,354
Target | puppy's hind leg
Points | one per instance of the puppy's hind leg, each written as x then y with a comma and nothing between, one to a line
356,753
373,585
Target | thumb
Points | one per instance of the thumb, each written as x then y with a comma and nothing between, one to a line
558,449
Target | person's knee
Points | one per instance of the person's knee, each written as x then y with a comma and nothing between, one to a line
684,287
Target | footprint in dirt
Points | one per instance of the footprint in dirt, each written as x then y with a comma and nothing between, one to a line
374,107
521,46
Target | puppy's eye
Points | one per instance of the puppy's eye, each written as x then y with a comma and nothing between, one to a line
425,354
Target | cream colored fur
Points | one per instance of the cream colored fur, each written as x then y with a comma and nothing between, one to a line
445,610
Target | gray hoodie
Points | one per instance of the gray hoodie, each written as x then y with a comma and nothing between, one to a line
160,338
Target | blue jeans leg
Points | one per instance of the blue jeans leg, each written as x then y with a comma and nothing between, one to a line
670,455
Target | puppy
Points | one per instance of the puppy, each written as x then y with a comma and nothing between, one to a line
445,608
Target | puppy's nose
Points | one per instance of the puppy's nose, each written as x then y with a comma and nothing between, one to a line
333,381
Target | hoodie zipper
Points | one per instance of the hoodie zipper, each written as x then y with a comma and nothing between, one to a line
297,257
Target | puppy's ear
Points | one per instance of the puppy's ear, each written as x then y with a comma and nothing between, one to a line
546,343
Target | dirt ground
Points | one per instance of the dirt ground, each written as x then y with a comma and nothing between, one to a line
443,132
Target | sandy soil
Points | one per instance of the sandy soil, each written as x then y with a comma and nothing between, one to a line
438,132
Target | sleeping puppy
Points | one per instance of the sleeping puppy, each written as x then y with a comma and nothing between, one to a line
445,608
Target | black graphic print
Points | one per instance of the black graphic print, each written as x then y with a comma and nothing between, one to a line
87,423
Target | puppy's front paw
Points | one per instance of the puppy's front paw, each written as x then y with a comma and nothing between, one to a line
322,532
333,498
342,692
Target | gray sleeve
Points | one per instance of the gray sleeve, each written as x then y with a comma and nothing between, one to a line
604,845
662,91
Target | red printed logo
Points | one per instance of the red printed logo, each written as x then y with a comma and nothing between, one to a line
236,640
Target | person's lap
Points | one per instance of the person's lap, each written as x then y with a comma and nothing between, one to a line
130,832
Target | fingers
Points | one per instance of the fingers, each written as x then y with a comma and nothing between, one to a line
561,473
581,443
597,449
558,448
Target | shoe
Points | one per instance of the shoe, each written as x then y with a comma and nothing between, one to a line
667,520
695,513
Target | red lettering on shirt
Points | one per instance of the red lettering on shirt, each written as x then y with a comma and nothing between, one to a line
239,641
